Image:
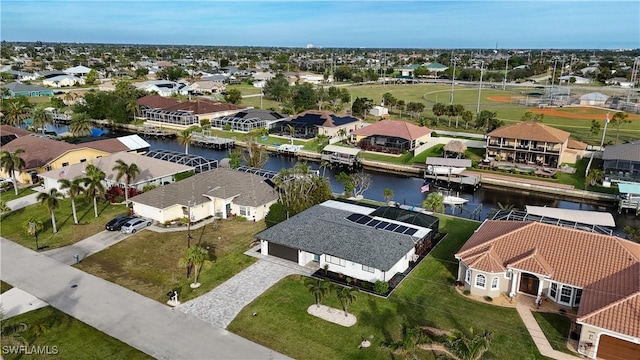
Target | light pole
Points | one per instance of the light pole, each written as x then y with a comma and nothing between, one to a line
604,132
189,236
506,69
453,80
479,89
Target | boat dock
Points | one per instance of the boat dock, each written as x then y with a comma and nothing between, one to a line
212,142
470,181
153,131
341,156
288,149
629,197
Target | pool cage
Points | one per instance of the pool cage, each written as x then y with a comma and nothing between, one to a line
239,124
199,163
519,215
178,117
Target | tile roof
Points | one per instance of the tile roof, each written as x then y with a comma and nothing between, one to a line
531,130
630,151
401,129
202,106
577,145
322,118
20,87
39,151
8,129
156,101
109,145
245,189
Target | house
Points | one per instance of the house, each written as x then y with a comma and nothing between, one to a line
390,136
620,81
533,143
436,68
366,243
79,71
129,143
577,79
46,74
310,123
21,75
207,87
593,99
164,87
152,171
20,89
596,273
168,112
42,154
9,133
622,162
249,119
220,193
408,71
63,81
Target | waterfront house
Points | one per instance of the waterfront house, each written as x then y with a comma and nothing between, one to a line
20,89
311,123
389,136
596,273
9,133
167,112
622,162
218,193
533,143
249,119
357,241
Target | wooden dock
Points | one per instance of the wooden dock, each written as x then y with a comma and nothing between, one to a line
470,181
212,142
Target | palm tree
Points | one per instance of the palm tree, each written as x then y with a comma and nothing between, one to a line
292,132
41,118
388,194
184,138
439,109
133,108
593,177
346,296
129,172
3,207
52,201
15,112
81,124
10,162
195,256
501,207
618,119
317,288
74,189
465,348
93,183
434,202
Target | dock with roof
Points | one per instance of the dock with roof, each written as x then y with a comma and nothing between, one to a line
629,197
341,156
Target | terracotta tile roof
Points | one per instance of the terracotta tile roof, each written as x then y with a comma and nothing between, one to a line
614,302
109,145
401,129
39,151
569,254
534,262
575,144
156,101
203,106
7,129
531,130
488,260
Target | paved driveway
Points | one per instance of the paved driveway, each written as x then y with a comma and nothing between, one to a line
222,304
87,247
145,324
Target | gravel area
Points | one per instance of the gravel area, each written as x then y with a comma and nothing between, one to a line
333,315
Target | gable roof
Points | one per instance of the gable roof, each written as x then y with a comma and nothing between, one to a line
109,145
156,101
400,129
261,114
531,130
322,118
246,189
80,69
20,87
202,106
8,129
39,151
577,145
630,151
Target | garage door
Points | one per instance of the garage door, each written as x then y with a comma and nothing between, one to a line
610,348
283,252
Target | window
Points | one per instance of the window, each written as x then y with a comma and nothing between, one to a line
467,276
553,291
368,268
508,274
481,281
495,282
65,164
83,160
244,211
576,301
335,260
565,294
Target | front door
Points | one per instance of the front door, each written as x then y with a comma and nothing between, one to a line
529,284
316,258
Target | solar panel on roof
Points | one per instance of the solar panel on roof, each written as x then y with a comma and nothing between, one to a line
363,220
391,227
354,217
401,229
411,231
382,225
373,223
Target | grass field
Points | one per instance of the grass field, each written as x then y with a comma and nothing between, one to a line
147,262
426,298
14,224
65,338
556,328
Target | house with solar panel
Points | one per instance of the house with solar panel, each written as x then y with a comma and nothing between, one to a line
363,242
312,123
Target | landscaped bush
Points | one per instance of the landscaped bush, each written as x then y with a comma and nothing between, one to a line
381,287
241,218
148,187
488,298
467,292
115,194
183,175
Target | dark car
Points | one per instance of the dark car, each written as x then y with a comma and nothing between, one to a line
116,223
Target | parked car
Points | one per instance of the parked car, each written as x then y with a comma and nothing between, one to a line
133,225
116,223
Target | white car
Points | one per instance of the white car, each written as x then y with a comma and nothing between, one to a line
133,225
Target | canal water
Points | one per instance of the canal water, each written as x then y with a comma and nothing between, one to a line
407,189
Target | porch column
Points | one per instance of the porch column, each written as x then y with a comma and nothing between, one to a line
540,287
514,282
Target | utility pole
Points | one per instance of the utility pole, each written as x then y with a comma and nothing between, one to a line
453,80
506,69
479,89
604,133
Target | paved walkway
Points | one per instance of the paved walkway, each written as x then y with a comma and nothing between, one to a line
222,304
87,247
538,336
145,324
16,301
23,202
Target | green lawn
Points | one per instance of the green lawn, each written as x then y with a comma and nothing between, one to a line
4,287
426,298
556,328
147,262
10,194
15,223
65,338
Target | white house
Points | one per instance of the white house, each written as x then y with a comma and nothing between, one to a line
219,193
63,81
360,242
77,70
379,111
164,87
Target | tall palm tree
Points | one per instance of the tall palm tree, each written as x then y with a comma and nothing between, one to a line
74,189
52,201
346,296
15,112
41,118
10,162
81,124
133,108
434,201
618,119
292,132
317,288
195,256
93,183
129,172
184,138
388,194
468,348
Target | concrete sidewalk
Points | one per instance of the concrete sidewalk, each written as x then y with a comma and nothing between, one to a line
23,202
17,301
538,336
147,325
87,247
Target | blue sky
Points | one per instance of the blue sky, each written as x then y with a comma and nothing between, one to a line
378,24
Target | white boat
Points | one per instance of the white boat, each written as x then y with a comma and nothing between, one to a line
444,170
454,200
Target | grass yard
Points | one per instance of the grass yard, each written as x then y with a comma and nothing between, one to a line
10,194
14,224
4,287
426,298
147,262
556,328
65,338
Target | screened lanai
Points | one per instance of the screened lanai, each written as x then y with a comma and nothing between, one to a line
199,163
239,124
179,117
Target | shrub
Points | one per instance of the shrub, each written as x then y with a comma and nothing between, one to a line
381,287
488,298
114,193
148,187
467,292
183,175
348,280
205,122
241,218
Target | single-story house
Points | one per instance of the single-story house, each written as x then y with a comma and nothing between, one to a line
361,242
577,79
21,75
620,81
152,171
249,119
79,70
219,193
20,89
598,274
9,133
390,136
164,87
168,112
310,123
593,99
129,143
62,81
622,162
208,87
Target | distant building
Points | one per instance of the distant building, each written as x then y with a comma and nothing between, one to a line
20,89
594,99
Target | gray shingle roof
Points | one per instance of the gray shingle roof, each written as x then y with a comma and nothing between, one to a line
20,87
630,151
246,189
325,230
